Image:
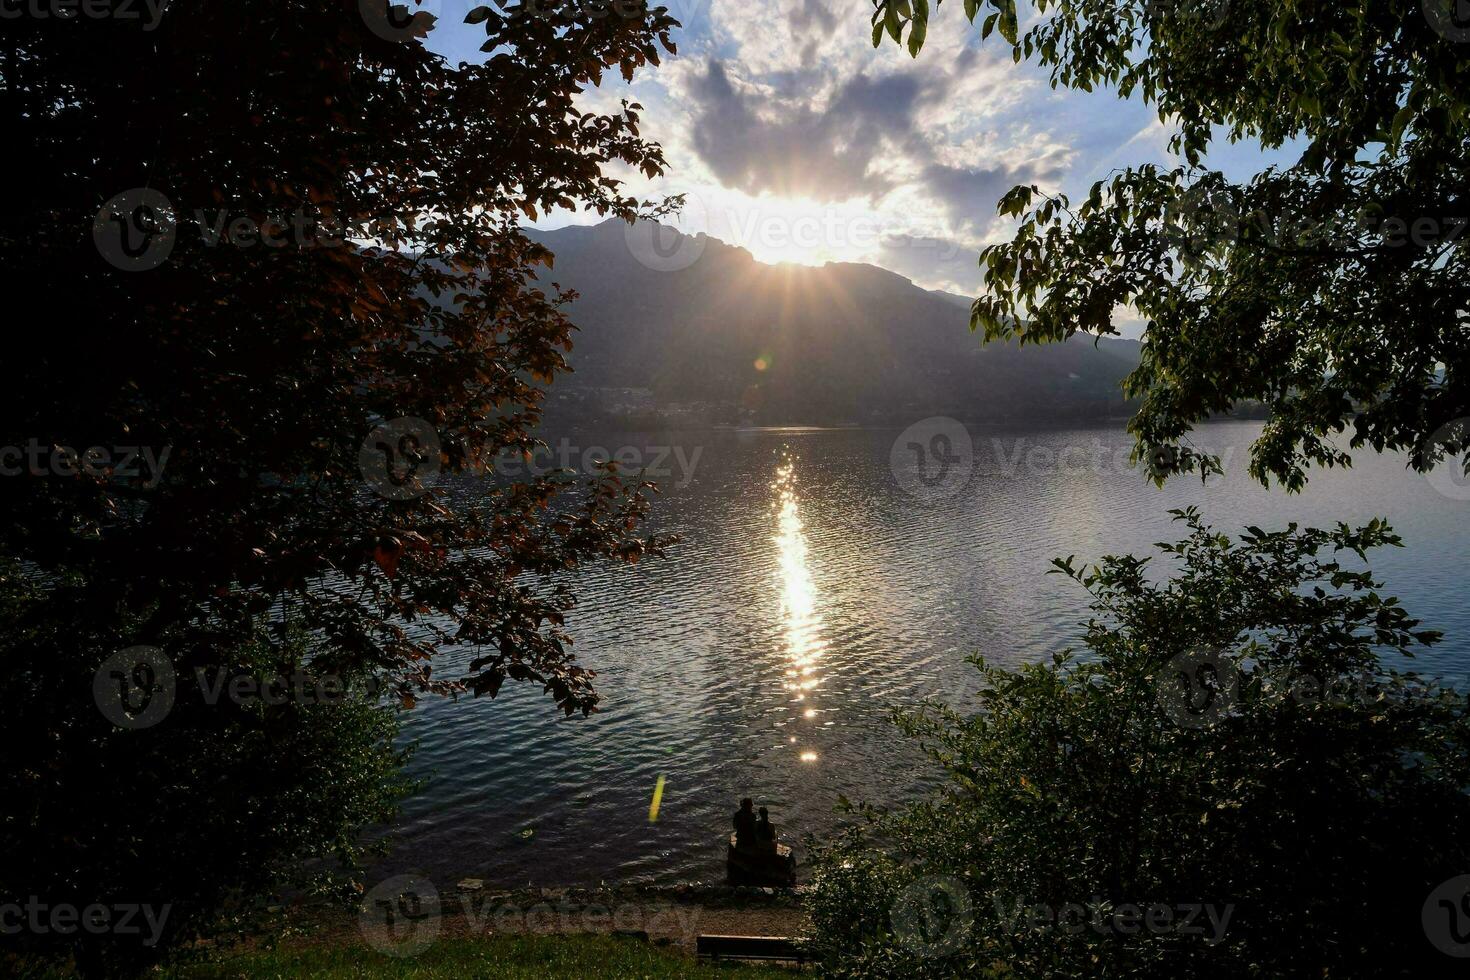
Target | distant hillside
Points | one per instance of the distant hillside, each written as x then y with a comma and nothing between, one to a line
731,339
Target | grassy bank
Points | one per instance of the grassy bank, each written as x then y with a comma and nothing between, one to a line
508,957
549,932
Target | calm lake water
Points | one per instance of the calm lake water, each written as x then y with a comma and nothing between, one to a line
821,583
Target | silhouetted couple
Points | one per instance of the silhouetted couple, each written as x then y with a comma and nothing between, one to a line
751,831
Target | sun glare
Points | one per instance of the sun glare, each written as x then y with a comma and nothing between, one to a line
799,608
799,231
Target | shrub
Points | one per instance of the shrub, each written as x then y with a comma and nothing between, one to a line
200,817
1228,747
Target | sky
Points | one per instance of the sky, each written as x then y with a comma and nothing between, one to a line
793,137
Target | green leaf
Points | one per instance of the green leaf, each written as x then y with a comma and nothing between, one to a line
1008,27
919,29
917,32
1401,121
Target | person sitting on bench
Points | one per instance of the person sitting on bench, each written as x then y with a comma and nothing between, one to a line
745,824
765,833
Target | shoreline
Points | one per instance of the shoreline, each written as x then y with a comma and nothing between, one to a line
663,915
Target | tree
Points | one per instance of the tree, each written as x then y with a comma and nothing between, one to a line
185,827
1227,746
277,249
1334,290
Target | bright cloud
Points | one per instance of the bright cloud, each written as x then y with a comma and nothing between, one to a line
793,137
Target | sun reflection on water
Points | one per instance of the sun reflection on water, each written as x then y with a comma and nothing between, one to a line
803,624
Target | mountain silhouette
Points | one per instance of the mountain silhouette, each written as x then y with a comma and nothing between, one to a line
709,333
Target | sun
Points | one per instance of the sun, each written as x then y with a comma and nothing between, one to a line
800,231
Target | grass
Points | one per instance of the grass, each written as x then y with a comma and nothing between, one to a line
508,957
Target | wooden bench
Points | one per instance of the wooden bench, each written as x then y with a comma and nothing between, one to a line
775,868
748,948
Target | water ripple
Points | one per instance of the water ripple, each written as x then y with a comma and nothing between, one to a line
802,554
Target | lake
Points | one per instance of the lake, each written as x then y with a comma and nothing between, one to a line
824,579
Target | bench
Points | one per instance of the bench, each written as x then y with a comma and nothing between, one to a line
774,868
748,948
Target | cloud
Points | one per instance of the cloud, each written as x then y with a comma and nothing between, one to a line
934,263
815,113
753,140
811,16
778,112
969,195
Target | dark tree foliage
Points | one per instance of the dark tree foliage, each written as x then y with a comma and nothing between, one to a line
1228,737
335,247
1334,290
198,820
